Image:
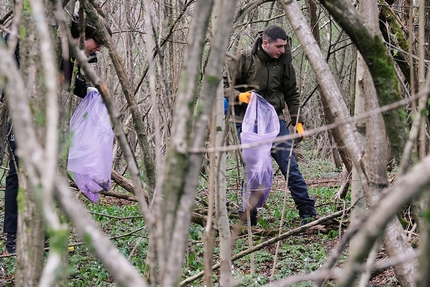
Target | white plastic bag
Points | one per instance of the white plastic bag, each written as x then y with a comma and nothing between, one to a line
260,124
91,149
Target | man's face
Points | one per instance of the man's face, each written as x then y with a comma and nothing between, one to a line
274,49
92,46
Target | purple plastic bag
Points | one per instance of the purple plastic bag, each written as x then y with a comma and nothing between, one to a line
91,149
260,124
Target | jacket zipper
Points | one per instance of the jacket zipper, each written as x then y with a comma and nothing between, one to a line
267,86
267,82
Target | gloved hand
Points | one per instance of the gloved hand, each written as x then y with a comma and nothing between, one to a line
300,130
92,89
244,97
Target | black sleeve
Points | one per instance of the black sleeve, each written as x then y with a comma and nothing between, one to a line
80,88
16,53
80,85
15,57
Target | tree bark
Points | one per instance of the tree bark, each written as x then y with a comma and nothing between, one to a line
402,191
338,108
226,278
30,234
380,66
346,134
4,124
174,211
147,151
182,168
423,279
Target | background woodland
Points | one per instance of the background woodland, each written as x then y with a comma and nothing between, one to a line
362,72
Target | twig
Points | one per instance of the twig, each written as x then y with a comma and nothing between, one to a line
269,242
281,223
346,121
116,217
334,274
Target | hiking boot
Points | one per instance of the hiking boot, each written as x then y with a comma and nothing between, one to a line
306,219
253,215
11,243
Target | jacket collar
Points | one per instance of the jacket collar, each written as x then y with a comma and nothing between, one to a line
263,55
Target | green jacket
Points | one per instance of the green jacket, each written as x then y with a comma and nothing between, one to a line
273,79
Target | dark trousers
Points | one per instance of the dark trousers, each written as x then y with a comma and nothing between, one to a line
296,183
11,193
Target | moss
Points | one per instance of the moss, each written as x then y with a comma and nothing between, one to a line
87,240
199,110
22,32
58,239
402,220
21,200
401,114
386,84
40,118
27,7
212,80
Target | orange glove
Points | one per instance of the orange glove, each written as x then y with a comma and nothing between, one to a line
244,97
300,130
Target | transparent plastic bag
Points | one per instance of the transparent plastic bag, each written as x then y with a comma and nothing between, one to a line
91,149
260,124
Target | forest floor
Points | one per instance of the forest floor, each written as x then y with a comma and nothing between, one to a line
312,235
302,253
306,251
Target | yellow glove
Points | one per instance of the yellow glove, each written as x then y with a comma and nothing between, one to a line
300,130
244,97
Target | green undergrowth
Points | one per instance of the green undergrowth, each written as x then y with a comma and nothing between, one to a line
125,226
298,254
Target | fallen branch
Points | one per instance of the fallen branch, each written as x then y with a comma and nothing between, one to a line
335,274
119,195
269,242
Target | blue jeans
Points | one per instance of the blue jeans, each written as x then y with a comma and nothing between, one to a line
296,183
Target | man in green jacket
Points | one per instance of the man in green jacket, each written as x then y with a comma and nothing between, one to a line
267,69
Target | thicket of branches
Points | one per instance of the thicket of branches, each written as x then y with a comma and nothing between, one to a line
159,75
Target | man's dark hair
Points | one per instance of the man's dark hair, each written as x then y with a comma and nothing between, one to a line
273,33
90,30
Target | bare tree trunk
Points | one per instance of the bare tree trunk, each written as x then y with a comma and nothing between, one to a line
147,151
182,168
338,108
387,90
226,278
215,139
421,144
423,279
209,234
30,234
329,119
375,158
414,182
174,211
4,123
357,192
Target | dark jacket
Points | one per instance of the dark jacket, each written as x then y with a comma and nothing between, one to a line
80,85
273,79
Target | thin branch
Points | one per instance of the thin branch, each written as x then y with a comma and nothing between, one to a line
268,242
307,133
